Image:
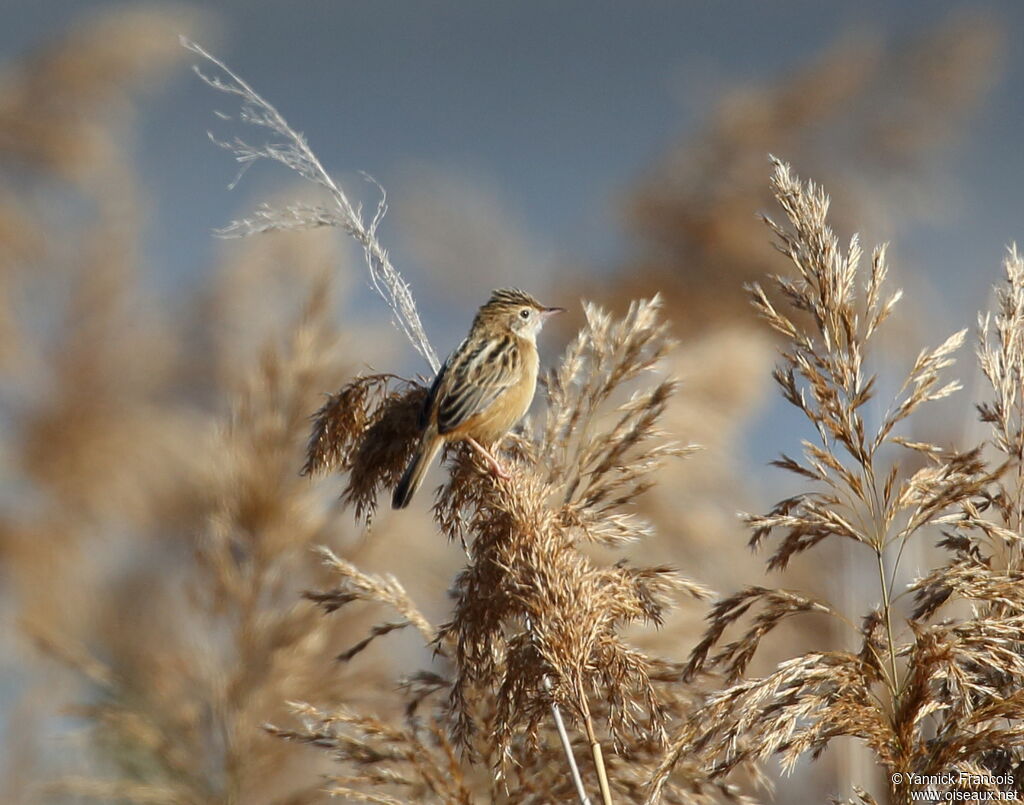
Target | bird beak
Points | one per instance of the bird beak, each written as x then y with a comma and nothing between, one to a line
548,312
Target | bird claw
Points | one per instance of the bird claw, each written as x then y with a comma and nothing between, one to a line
492,463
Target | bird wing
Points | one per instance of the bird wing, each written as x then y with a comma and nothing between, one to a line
472,379
435,387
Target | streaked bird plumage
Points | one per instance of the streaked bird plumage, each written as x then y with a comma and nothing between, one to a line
484,387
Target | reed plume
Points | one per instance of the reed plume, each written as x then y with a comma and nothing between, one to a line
922,693
536,621
233,635
535,632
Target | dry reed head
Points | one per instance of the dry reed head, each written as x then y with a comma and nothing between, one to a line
924,696
89,430
216,643
405,757
695,241
165,543
368,429
536,620
206,637
1001,358
575,484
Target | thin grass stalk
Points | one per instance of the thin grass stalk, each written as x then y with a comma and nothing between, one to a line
563,736
876,508
595,749
854,767
894,687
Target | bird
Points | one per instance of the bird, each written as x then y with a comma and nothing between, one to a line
483,388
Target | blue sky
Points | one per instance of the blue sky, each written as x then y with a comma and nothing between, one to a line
558,107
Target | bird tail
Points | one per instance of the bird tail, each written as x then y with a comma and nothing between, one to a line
415,472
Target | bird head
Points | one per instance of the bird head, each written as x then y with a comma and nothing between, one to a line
517,311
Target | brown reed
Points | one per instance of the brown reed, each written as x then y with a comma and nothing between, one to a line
926,696
164,558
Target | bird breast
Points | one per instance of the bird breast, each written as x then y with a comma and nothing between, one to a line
513,404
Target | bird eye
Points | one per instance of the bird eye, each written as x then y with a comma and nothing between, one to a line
525,313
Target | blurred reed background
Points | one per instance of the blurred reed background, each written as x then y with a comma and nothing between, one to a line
157,386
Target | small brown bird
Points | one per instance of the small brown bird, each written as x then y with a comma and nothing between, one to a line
484,387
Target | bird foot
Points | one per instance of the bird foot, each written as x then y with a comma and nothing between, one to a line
495,467
500,472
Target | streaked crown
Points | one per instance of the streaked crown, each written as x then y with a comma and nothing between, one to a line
504,299
504,304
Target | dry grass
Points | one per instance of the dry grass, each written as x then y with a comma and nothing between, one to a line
926,695
155,544
536,623
876,119
235,636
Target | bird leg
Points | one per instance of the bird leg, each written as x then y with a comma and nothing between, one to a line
487,456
